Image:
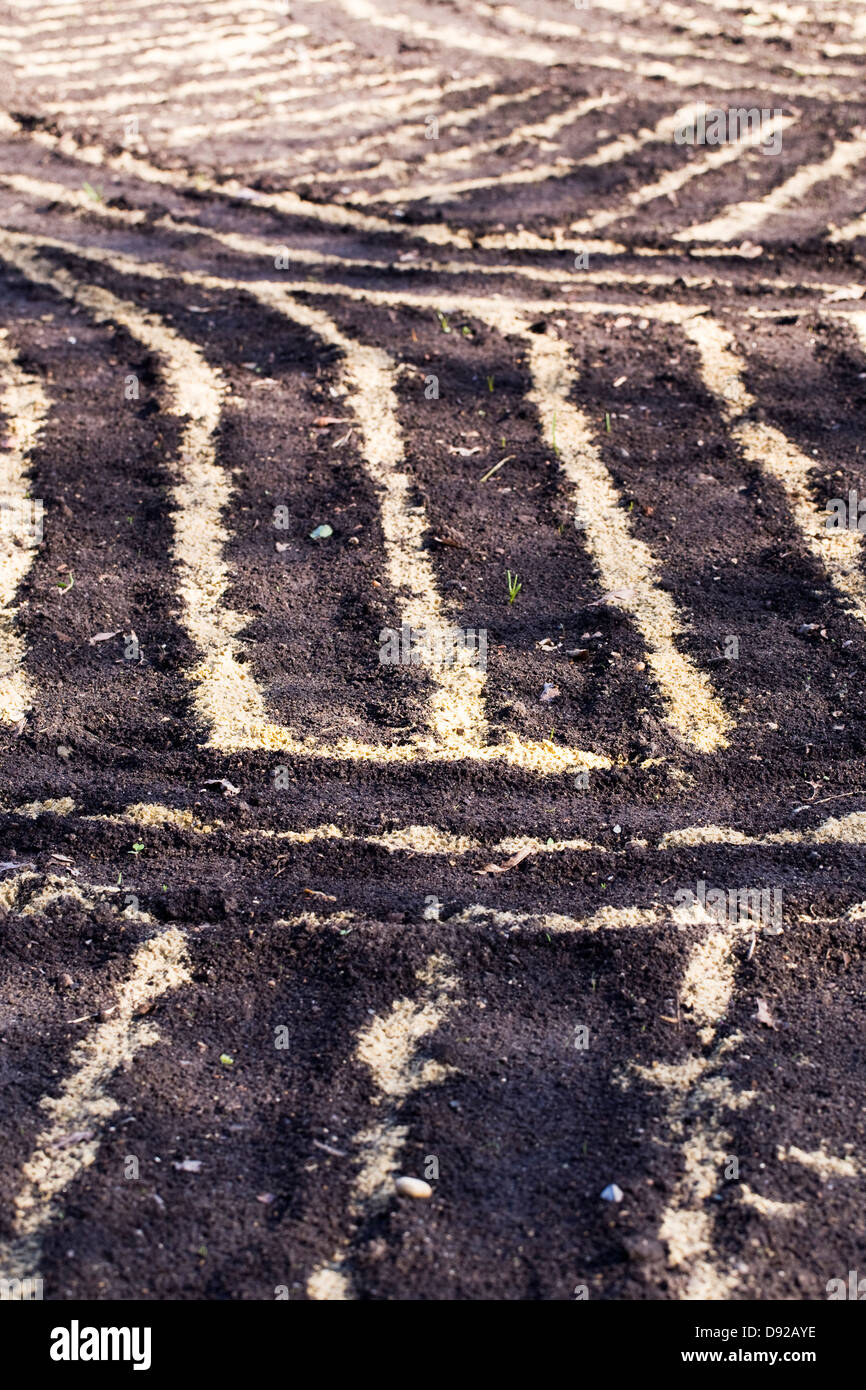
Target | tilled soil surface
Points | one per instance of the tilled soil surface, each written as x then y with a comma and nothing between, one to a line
281,923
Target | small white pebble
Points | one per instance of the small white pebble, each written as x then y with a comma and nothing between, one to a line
612,1193
413,1187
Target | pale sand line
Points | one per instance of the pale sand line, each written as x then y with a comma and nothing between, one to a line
850,231
24,407
226,695
605,919
666,312
329,214
697,1098
344,157
390,1049
16,895
456,715
623,561
292,205
820,1162
213,78
722,369
768,1206
791,17
57,806
165,61
402,103
660,44
857,320
432,839
61,13
844,830
154,28
540,130
227,698
623,41
132,101
246,244
443,34
624,145
740,218
224,45
669,312
416,839
446,35
673,180
70,1141
38,57
54,18
849,830
389,167
73,198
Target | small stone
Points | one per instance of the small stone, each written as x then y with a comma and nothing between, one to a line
322,532
413,1187
63,751
612,1193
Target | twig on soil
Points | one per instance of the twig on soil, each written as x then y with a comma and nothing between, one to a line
496,467
87,1017
511,863
811,802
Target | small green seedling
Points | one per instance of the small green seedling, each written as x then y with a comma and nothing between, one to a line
514,585
137,847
